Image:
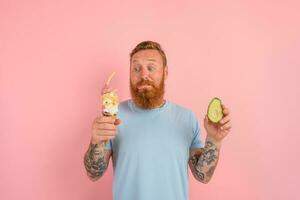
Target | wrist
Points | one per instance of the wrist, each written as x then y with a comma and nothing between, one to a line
97,143
212,140
94,142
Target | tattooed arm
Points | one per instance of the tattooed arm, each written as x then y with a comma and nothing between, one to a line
96,160
203,161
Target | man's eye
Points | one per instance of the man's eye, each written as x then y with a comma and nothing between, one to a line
151,68
136,69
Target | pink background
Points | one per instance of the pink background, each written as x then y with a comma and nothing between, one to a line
56,55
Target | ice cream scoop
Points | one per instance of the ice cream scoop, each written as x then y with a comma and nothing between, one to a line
110,100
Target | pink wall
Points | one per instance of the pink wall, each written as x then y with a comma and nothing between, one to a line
55,55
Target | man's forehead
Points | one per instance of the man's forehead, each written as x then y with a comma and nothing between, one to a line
148,55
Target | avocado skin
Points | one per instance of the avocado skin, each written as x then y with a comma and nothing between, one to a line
210,106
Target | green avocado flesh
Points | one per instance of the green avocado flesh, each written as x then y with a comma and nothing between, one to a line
215,111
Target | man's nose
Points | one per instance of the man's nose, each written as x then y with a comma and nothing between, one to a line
145,74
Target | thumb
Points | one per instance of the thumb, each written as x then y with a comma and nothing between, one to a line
206,121
117,122
205,118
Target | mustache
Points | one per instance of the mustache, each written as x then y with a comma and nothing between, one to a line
145,82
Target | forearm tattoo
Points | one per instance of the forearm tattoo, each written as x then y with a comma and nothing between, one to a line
94,161
204,164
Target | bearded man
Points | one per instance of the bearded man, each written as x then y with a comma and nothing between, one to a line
157,139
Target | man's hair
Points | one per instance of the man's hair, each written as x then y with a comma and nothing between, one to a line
149,45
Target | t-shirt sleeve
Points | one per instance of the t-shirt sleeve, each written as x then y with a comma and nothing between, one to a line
197,140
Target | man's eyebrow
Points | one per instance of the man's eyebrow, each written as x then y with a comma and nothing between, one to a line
149,59
152,59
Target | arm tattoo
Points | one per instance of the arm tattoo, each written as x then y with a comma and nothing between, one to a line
94,161
204,164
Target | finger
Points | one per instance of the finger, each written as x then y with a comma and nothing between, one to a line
100,130
105,119
226,126
117,122
223,106
105,126
205,119
226,111
105,133
109,78
225,119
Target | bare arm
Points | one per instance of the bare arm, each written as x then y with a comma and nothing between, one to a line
203,161
96,160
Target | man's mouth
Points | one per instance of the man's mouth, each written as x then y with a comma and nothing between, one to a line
144,87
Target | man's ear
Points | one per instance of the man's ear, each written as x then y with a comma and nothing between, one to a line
166,72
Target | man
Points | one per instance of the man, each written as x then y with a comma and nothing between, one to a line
156,140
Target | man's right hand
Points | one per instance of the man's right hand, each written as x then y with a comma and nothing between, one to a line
104,128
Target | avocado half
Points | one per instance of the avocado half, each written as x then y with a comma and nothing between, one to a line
215,110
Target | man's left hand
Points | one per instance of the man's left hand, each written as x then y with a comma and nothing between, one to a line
218,131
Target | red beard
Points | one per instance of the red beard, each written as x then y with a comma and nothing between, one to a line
148,98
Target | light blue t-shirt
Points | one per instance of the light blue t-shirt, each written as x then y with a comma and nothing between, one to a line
151,150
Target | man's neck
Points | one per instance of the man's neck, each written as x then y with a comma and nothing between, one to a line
158,105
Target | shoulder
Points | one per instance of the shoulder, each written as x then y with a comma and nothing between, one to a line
124,105
182,110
